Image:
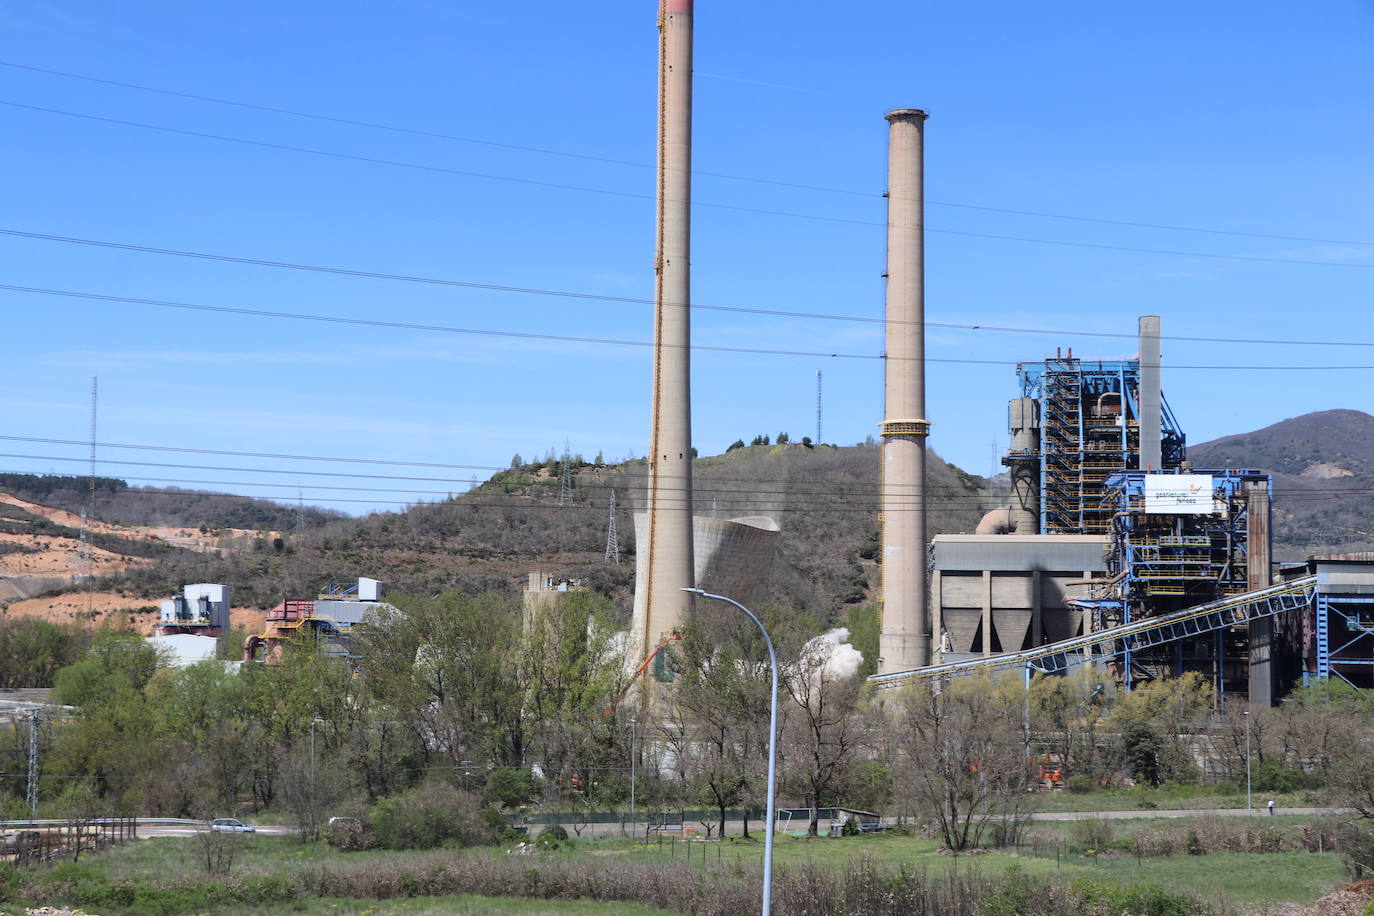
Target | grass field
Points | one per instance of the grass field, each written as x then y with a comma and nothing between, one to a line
463,905
1166,798
1238,878
1233,879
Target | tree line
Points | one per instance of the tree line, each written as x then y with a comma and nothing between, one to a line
472,705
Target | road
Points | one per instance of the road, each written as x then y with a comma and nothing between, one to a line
147,831
733,827
1258,811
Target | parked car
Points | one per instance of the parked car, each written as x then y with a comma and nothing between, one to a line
231,825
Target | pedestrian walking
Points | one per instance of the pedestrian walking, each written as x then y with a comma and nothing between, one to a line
1271,807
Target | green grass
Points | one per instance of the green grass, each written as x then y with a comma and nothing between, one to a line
1248,878
462,905
1128,827
1165,798
1233,878
257,854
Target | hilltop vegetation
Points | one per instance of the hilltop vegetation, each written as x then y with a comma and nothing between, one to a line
825,498
1323,467
118,503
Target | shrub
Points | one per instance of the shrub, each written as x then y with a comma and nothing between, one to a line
510,787
1274,776
551,836
1094,833
1137,899
1216,835
1081,784
432,815
348,834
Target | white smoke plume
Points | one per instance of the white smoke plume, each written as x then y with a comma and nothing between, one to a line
833,654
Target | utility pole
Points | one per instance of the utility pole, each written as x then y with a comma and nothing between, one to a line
818,407
84,573
33,763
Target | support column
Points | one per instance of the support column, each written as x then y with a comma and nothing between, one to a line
1150,396
937,618
987,613
1261,631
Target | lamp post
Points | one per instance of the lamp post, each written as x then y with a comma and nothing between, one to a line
633,831
772,749
1249,802
313,722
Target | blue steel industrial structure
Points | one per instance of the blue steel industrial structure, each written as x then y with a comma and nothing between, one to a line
1185,588
1089,414
1161,563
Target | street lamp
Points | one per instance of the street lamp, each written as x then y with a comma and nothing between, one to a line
1249,802
772,749
632,778
313,722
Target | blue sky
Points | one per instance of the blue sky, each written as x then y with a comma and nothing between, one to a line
1252,118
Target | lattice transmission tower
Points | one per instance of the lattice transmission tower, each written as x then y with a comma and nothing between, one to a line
612,536
565,487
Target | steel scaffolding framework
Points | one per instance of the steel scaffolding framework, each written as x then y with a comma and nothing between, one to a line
1163,563
1089,429
1345,638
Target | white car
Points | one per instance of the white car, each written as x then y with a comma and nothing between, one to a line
231,825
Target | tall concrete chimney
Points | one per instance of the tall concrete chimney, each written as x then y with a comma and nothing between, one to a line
1150,398
904,640
670,561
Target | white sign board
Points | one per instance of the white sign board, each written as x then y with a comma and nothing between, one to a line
1178,494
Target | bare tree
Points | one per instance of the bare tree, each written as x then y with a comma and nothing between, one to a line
961,755
216,850
82,823
305,788
824,730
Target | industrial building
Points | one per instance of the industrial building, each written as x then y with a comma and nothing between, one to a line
190,625
326,620
1115,551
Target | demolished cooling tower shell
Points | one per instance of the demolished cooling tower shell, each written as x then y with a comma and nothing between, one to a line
733,558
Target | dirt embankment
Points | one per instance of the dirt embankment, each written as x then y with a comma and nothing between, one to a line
137,615
32,565
185,538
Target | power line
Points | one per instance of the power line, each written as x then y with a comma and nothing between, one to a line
214,451
860,496
840,506
631,300
372,125
606,341
755,491
483,332
395,163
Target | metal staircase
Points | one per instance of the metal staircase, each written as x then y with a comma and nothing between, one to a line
1062,447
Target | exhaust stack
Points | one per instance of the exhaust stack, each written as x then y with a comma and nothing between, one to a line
904,640
670,560
1151,445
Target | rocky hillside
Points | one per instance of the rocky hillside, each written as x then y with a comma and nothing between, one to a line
824,497
1323,467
